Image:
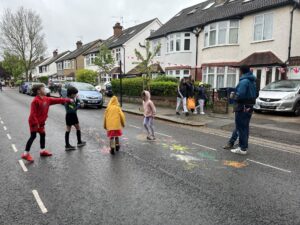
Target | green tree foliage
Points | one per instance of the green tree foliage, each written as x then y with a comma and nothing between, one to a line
86,76
145,63
105,60
44,79
13,65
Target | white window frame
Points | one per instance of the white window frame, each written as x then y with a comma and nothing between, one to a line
67,64
118,54
172,40
208,29
263,27
60,66
90,59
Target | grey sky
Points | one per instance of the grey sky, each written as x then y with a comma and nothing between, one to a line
66,21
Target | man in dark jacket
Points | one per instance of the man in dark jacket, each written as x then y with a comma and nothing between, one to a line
245,96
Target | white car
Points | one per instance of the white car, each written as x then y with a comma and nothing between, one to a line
280,96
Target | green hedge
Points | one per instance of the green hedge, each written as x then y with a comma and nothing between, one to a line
165,78
163,88
134,87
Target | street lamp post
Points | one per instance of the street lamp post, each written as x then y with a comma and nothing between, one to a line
121,84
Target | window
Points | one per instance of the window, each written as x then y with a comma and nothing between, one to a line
177,72
204,75
44,69
67,64
221,33
90,59
155,44
231,77
187,42
118,54
59,66
263,27
186,72
220,77
178,42
211,76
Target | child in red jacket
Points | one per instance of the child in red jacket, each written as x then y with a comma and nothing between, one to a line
37,119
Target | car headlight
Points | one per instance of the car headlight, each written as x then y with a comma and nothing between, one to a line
289,97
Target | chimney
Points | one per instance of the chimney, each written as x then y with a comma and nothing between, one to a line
79,44
118,29
41,58
55,53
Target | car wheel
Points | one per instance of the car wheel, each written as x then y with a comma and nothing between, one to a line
297,109
99,106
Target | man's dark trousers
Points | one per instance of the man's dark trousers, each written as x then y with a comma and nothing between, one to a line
242,120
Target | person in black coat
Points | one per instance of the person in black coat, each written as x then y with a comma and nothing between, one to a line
182,93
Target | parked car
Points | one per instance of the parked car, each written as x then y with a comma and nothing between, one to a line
88,95
23,87
32,84
280,96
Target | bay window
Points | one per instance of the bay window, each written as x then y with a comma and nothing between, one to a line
118,55
59,66
178,42
211,76
231,77
221,33
263,27
187,42
220,77
67,64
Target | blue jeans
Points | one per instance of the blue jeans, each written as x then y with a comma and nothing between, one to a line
242,121
234,136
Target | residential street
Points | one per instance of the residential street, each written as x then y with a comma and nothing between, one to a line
182,178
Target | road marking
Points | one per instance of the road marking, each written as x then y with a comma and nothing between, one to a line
203,146
23,166
267,165
165,135
39,201
4,128
2,122
8,136
134,126
14,148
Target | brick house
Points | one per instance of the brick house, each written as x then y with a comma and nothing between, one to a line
74,61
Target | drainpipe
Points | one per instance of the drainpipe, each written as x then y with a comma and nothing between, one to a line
291,32
197,32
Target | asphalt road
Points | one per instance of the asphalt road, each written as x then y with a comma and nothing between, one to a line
182,178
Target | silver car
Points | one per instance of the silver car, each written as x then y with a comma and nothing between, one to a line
280,96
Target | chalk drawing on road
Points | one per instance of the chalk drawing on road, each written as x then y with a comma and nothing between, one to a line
208,156
235,164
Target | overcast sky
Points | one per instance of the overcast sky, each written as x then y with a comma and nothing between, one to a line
66,21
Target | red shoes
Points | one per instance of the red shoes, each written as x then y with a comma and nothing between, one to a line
45,153
27,157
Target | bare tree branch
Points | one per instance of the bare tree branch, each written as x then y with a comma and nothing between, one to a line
21,35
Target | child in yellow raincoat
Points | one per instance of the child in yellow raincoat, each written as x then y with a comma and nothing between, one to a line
114,122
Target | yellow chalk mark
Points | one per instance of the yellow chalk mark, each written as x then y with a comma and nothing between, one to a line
235,164
179,148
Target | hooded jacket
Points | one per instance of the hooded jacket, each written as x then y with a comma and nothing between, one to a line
246,89
40,107
149,107
114,118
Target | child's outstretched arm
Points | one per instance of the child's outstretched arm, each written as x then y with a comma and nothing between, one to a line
54,101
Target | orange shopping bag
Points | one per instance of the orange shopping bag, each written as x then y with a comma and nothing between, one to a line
191,104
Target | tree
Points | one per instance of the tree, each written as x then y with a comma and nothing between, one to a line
21,35
145,65
13,65
104,60
86,76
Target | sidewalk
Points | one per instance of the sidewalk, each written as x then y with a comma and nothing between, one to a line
169,114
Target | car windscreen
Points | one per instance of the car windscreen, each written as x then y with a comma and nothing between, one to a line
283,85
84,87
